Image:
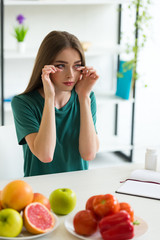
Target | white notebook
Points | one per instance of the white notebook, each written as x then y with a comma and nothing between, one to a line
142,183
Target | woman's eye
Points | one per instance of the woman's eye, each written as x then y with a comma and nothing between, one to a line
60,66
77,65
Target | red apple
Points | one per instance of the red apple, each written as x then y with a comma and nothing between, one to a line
85,223
39,197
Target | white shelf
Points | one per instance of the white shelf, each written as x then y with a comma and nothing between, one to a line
100,99
104,49
13,54
61,2
92,52
110,98
114,144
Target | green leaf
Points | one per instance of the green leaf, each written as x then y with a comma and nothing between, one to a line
120,75
140,25
20,33
136,222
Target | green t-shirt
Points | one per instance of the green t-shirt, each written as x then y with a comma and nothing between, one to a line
27,112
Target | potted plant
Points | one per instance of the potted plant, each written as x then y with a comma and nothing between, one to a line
20,32
128,73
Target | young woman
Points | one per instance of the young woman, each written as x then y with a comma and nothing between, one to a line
55,117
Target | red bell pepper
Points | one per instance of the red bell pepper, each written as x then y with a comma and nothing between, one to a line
116,227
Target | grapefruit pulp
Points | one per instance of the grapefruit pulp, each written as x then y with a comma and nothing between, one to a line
37,218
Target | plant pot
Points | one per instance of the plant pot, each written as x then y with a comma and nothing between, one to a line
124,82
21,47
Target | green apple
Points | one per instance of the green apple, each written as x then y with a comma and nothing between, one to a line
62,201
11,223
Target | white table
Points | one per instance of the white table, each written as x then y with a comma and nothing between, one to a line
97,181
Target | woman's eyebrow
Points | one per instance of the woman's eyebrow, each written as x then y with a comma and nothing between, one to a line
77,61
61,61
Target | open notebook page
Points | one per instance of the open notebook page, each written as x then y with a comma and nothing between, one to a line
142,183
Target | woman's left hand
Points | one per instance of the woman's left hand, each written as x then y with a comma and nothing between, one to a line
87,79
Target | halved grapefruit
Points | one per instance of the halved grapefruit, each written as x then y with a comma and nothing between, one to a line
37,218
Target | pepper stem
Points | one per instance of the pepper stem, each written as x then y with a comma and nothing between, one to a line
136,222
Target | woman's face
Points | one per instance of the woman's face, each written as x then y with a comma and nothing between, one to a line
68,61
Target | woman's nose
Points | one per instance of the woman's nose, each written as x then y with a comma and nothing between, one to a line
70,73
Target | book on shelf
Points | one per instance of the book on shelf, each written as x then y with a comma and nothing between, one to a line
142,183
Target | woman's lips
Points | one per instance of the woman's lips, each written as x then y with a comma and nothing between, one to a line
68,83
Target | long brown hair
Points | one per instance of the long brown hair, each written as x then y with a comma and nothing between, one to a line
52,44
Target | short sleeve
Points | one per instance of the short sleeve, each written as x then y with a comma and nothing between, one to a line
93,108
24,118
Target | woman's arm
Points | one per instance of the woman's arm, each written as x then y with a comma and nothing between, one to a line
42,144
88,139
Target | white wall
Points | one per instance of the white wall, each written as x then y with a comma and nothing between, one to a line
147,131
147,113
89,23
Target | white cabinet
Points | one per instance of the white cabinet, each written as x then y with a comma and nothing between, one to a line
95,21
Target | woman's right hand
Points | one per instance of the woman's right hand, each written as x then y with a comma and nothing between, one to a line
48,86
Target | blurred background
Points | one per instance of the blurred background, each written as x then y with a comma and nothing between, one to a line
104,33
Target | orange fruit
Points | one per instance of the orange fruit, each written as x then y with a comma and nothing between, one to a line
127,207
38,197
37,218
16,194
